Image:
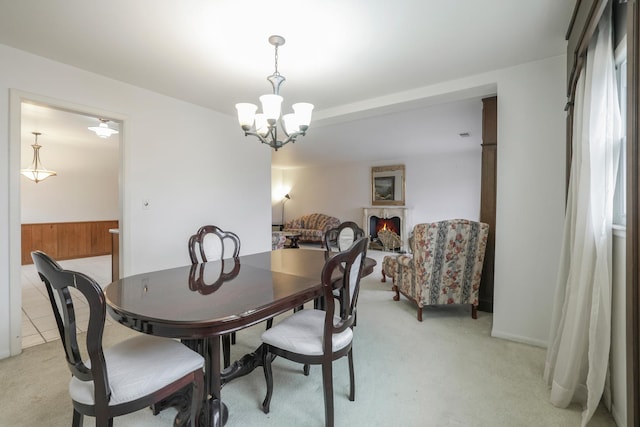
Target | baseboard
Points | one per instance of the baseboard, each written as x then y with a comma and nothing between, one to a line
519,338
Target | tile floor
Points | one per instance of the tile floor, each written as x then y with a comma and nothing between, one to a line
38,323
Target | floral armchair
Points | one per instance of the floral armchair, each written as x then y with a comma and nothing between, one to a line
446,265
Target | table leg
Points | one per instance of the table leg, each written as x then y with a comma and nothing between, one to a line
244,366
217,412
214,411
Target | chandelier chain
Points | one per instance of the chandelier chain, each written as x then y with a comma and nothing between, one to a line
276,73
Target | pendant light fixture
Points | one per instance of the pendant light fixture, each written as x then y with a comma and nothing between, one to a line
103,130
37,172
264,125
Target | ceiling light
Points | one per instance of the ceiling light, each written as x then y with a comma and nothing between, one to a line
37,172
264,125
103,130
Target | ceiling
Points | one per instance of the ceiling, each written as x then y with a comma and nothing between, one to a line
338,54
62,127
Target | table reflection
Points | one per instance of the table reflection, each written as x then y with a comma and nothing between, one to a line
208,277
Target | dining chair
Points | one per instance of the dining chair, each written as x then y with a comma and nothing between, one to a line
211,243
319,337
342,237
126,377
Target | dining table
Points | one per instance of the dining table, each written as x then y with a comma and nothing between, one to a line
199,303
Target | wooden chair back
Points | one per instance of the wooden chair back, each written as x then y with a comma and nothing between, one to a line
211,243
342,237
350,263
59,283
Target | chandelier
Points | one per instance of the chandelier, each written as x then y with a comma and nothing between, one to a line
264,125
37,172
103,130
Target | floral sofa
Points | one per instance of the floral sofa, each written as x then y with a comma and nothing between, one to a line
312,227
446,265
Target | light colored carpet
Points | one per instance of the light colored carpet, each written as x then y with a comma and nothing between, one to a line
445,371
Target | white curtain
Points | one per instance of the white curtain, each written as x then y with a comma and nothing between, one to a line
576,367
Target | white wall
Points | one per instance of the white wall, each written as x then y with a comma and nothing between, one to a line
444,186
530,198
278,190
84,189
192,163
438,186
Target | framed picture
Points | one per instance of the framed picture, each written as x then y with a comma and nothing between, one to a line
387,185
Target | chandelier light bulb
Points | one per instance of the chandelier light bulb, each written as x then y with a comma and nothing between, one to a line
303,112
246,114
291,124
271,105
262,126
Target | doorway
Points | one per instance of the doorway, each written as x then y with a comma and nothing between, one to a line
86,190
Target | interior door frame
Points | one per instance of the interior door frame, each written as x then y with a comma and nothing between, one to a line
16,98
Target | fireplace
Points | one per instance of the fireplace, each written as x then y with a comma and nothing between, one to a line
392,218
391,241
377,224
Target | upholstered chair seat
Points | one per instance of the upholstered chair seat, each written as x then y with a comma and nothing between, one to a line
133,375
303,333
389,267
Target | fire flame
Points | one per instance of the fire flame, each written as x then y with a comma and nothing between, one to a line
387,225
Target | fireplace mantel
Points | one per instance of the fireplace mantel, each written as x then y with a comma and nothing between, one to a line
386,212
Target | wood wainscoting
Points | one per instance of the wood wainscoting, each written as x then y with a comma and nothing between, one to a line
67,240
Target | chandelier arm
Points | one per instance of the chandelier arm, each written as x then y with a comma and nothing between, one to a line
36,156
297,134
260,137
273,132
294,135
291,138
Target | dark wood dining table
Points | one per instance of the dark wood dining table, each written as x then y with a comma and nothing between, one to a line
199,303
